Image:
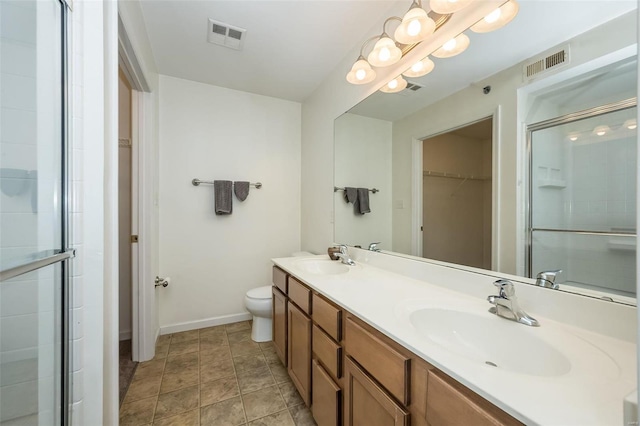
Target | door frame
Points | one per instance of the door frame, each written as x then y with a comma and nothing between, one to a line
144,330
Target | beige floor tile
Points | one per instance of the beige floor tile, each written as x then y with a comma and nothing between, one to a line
172,382
138,412
280,374
283,418
238,326
239,336
144,387
254,379
154,367
212,341
266,346
271,356
185,336
166,338
177,402
182,362
215,355
161,350
263,402
248,362
190,418
245,348
225,413
215,371
218,329
290,394
302,416
183,347
218,390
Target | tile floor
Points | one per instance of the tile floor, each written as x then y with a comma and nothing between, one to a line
213,376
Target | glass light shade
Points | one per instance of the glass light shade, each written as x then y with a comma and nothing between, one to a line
601,130
631,124
394,86
420,68
415,27
361,72
573,136
498,18
444,7
384,53
453,47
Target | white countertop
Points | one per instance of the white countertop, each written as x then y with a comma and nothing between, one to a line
591,393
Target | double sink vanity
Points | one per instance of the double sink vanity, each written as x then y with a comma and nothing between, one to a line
397,341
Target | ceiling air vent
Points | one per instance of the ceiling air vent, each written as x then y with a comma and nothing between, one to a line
226,35
408,91
545,62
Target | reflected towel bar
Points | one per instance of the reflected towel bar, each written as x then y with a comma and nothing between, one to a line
197,182
336,189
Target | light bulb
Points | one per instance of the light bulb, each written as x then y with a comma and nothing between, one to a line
450,45
414,28
631,124
493,16
417,67
573,138
452,1
393,84
396,85
361,74
420,68
601,130
384,54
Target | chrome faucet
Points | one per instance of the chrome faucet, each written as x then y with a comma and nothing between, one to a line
374,246
506,304
343,255
548,279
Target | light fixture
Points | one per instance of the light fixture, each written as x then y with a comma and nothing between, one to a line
415,26
420,68
385,52
453,47
601,130
573,136
631,124
444,7
394,86
498,18
361,72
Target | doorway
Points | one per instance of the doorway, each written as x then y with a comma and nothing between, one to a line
457,195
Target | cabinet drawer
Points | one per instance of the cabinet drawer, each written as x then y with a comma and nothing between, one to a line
280,279
328,317
389,367
300,295
449,403
327,395
327,351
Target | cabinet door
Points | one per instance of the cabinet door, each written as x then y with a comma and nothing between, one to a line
367,404
280,324
299,349
326,397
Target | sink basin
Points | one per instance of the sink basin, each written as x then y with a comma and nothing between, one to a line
322,266
490,340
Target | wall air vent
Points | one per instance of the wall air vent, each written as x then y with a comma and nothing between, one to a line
226,35
541,64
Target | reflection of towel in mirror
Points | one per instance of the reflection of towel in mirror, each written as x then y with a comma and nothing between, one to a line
361,206
241,189
350,195
223,201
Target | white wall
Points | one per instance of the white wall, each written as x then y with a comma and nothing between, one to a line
213,133
124,208
363,160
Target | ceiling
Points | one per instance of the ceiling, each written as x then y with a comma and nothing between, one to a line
290,46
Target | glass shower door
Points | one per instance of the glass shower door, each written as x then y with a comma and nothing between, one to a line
34,258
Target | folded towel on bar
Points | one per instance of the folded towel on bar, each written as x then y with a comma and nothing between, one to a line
361,205
223,201
241,189
350,195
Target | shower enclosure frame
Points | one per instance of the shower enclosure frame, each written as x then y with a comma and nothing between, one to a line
546,124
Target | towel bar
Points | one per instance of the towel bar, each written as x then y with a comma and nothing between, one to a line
197,182
336,189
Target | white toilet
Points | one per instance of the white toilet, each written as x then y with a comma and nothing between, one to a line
258,303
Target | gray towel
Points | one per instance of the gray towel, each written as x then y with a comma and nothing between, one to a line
350,195
241,189
361,205
223,201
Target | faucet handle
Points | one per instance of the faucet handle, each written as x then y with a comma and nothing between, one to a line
374,246
548,279
506,288
342,247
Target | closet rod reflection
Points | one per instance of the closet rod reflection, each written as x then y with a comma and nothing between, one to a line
336,189
197,182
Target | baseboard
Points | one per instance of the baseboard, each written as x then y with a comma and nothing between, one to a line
125,335
209,322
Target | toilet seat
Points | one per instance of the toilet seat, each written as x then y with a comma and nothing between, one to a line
260,293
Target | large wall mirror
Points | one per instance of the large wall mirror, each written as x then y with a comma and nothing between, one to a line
487,162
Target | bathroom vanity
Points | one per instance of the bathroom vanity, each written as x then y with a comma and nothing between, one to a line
364,345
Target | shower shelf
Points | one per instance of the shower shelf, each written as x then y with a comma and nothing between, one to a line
552,183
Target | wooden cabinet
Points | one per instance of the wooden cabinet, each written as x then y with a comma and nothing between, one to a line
299,348
280,324
367,404
327,397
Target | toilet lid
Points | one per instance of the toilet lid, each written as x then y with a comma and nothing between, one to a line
260,292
